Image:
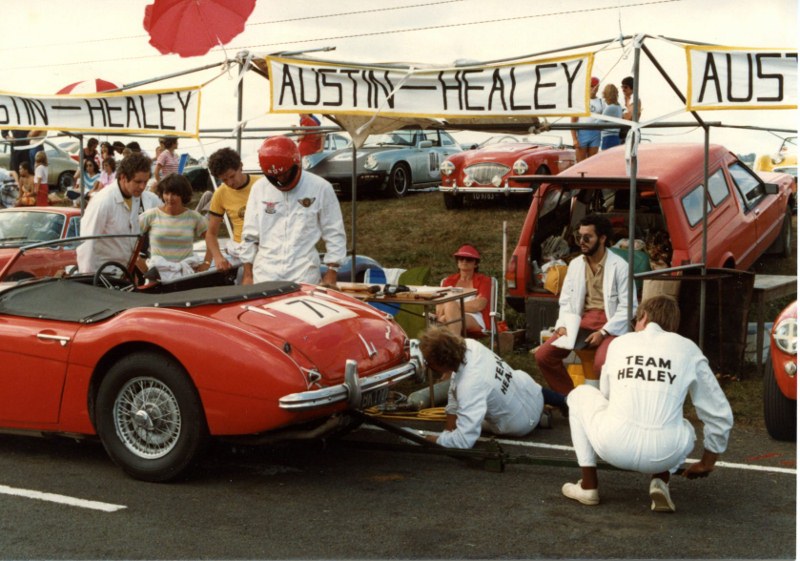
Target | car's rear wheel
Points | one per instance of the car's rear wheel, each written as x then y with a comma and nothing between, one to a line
150,418
399,181
65,181
788,235
780,412
453,202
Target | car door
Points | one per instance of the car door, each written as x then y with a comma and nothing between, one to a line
765,209
34,356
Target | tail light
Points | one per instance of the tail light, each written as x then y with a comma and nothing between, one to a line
511,273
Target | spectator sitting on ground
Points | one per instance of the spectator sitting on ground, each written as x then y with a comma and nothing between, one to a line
27,189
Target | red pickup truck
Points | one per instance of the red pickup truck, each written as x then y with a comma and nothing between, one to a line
748,213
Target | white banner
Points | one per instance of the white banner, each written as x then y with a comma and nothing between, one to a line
553,87
741,78
174,112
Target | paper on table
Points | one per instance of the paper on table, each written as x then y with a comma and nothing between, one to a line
572,323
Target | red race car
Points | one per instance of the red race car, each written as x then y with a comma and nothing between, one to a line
489,172
27,225
156,370
780,377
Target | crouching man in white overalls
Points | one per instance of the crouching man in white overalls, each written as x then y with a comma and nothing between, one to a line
635,420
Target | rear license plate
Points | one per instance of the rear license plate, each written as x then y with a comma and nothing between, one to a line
375,397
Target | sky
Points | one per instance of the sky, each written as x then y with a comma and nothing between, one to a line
48,44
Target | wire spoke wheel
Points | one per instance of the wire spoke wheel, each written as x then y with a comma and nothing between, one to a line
147,418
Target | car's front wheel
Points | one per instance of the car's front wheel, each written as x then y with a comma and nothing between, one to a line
65,181
780,412
150,418
399,181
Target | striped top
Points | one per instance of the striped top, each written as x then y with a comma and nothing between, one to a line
169,163
171,237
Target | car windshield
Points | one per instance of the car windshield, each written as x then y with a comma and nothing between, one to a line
20,227
397,138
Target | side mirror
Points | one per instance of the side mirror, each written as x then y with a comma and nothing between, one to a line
425,144
771,188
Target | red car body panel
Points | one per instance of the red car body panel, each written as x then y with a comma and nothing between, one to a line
786,383
46,263
736,238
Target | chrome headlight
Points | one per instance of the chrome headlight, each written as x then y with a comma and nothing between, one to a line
469,181
371,162
447,168
785,336
520,167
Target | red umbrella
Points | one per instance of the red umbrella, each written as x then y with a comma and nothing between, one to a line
192,27
88,86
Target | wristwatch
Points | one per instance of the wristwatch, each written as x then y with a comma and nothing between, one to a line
332,267
604,333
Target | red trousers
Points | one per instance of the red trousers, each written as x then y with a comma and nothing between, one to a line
549,358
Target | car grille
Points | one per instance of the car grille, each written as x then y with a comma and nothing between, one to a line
483,173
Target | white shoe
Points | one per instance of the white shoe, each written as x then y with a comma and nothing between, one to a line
659,493
574,491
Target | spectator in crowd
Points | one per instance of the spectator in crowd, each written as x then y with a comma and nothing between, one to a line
635,420
310,142
596,291
27,189
587,141
36,142
90,151
230,199
172,229
89,180
610,137
109,173
40,185
115,210
118,147
288,212
167,162
627,112
484,392
18,154
476,308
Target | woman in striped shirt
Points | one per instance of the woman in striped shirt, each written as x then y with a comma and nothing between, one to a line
172,228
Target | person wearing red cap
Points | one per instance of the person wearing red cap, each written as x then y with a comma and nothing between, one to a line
309,143
587,141
476,308
288,211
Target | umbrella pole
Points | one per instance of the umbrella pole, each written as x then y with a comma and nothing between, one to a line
353,217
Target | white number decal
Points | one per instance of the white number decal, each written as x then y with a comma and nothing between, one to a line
311,310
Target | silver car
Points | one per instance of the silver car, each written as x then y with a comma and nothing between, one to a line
61,167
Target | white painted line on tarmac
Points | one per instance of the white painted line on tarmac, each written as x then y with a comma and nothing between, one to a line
563,448
61,499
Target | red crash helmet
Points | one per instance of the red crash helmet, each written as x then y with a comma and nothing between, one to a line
469,251
279,159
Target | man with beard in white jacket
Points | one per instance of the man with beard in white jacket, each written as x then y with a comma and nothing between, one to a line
115,210
635,420
288,212
485,392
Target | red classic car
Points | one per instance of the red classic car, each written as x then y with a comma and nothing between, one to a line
780,377
27,225
747,213
491,171
156,370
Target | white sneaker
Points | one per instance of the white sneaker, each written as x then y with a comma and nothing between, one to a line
659,493
574,491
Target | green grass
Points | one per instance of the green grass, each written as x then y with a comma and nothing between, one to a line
417,231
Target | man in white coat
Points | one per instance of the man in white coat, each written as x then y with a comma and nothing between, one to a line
115,210
288,212
635,420
485,392
596,290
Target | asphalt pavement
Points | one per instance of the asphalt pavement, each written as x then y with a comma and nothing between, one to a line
63,499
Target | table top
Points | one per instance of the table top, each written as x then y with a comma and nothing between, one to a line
769,282
427,295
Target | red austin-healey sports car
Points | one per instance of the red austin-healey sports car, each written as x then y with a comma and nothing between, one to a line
157,369
489,172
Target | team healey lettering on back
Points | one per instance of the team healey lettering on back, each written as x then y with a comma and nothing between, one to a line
648,369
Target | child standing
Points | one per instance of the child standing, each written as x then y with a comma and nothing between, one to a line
40,179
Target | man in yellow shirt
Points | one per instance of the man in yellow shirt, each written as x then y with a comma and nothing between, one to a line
229,199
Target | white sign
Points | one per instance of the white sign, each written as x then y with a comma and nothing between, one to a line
741,78
550,87
174,112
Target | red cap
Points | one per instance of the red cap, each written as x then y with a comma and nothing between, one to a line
595,81
467,250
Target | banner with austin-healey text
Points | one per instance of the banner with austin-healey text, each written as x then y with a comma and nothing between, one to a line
741,78
175,112
552,87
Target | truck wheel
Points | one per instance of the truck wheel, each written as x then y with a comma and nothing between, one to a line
780,412
149,417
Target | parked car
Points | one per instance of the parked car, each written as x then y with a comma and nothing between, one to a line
791,170
156,370
495,139
748,213
786,155
780,377
490,171
390,164
28,225
61,167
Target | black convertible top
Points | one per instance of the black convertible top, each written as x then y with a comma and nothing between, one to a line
73,301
